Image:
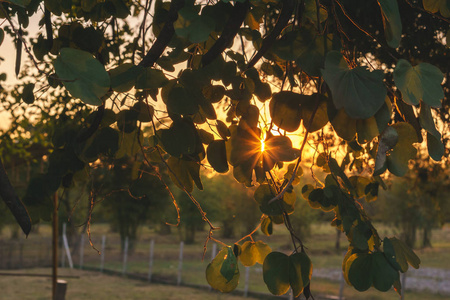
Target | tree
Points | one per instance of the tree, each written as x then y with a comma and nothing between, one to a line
199,86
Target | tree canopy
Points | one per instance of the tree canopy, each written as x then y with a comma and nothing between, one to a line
257,88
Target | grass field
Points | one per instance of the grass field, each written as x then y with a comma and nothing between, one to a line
320,249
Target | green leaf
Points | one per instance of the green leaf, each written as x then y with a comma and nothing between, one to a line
254,252
391,256
144,112
181,101
82,75
360,92
397,161
290,172
179,139
205,136
149,78
437,5
422,82
344,126
276,149
321,114
21,3
276,273
185,173
223,130
214,272
388,140
217,156
285,110
367,129
391,22
229,265
192,26
384,275
27,93
300,272
360,271
128,144
310,11
263,194
214,93
404,255
123,78
436,148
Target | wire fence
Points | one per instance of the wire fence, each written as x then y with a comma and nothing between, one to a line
162,260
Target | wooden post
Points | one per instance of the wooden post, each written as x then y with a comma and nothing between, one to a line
180,263
55,245
247,277
150,263
102,254
81,251
61,288
125,256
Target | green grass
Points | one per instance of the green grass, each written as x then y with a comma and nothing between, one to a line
94,285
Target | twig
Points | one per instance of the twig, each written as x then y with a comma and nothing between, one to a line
289,184
362,29
19,36
428,12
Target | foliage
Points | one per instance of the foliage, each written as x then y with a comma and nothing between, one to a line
182,93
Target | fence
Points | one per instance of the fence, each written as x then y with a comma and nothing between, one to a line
161,259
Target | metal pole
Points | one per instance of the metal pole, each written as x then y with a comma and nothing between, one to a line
150,263
81,251
55,245
66,247
180,263
403,279
125,256
213,255
247,277
102,254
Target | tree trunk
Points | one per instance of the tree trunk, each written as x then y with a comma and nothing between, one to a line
164,229
189,234
426,240
337,245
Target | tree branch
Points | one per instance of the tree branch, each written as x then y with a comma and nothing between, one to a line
9,196
164,37
230,30
283,19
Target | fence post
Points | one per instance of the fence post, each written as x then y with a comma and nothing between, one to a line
180,263
247,277
150,263
213,255
66,247
125,256
342,284
102,254
403,279
20,253
81,251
